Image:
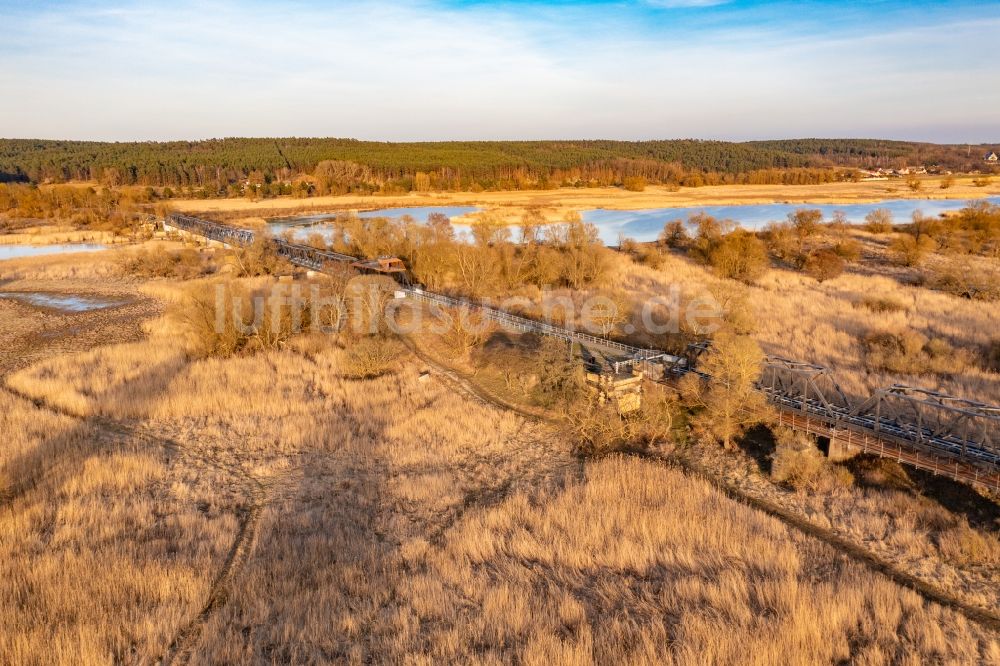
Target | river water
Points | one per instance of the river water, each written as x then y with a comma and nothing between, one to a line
646,224
17,251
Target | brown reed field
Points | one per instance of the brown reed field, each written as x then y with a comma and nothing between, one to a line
270,507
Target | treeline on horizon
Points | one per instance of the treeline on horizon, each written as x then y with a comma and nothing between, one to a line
305,167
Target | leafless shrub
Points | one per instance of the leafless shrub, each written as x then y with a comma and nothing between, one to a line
739,255
628,245
674,235
197,317
912,353
737,308
785,244
798,463
367,298
806,221
317,241
600,429
847,249
223,319
966,282
259,258
824,265
796,460
881,305
371,356
729,403
514,366
561,381
909,250
182,264
879,221
467,329
652,257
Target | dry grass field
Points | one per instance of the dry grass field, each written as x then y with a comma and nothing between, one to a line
270,508
109,539
47,235
823,323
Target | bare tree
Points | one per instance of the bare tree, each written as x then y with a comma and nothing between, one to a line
259,258
607,311
371,356
879,221
824,265
467,329
729,402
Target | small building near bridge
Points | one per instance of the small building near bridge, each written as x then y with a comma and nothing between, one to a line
381,265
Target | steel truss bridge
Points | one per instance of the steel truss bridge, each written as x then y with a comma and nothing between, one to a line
943,434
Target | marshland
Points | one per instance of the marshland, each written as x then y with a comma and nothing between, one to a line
179,490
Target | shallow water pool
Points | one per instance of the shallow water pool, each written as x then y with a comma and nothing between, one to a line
64,302
18,251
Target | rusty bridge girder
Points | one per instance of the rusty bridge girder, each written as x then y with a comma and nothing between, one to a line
970,429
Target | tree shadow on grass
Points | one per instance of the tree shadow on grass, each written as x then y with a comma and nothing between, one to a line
60,457
958,498
759,444
325,552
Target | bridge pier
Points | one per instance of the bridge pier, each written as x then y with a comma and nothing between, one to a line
840,448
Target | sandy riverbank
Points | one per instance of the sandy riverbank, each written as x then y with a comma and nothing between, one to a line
557,202
58,235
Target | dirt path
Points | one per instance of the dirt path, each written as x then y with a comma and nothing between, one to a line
464,386
180,649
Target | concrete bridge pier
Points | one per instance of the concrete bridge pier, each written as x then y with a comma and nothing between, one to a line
840,448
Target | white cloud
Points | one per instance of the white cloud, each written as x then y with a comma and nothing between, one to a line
682,4
418,71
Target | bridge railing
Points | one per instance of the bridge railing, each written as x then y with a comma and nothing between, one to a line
532,325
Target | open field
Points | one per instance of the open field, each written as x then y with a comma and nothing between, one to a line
109,540
556,202
482,381
47,235
272,508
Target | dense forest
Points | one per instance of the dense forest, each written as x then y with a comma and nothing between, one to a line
225,167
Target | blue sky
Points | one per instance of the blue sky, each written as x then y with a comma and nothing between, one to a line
482,70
